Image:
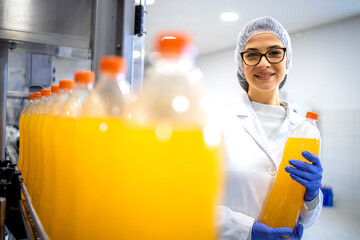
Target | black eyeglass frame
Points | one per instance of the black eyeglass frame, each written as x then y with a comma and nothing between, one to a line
262,55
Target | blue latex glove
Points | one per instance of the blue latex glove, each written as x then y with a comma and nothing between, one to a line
263,232
308,175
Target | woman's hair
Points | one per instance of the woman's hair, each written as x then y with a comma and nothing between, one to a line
253,28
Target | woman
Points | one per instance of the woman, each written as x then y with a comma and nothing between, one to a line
255,134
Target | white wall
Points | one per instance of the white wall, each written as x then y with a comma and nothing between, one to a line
220,75
326,61
325,77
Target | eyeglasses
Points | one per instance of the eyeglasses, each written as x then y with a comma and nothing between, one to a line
252,58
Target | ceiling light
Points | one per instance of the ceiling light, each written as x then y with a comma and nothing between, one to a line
229,16
167,37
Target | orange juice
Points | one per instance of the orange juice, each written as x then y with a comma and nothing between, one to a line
30,177
21,141
284,202
140,187
21,130
27,140
39,164
33,151
64,176
95,139
39,178
65,188
46,200
49,171
27,136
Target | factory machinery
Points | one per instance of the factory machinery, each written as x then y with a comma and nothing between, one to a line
40,40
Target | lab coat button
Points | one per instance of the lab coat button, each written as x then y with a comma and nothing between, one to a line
272,171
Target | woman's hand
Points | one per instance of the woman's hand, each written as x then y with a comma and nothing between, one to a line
308,175
261,231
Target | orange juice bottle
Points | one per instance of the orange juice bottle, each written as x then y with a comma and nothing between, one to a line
34,145
168,170
28,137
284,202
21,131
65,185
48,160
98,136
37,153
39,178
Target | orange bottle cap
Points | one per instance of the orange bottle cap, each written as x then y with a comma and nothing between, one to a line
112,64
66,84
84,77
45,92
31,96
312,115
174,44
55,89
37,95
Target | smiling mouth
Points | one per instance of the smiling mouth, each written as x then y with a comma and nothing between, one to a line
265,75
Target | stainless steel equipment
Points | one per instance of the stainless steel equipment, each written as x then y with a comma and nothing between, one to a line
43,31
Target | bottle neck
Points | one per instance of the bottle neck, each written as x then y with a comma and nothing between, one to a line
311,120
83,86
65,91
105,80
170,64
111,77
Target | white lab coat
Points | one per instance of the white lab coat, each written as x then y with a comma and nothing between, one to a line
252,163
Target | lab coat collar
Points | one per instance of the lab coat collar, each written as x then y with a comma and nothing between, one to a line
238,105
243,109
291,121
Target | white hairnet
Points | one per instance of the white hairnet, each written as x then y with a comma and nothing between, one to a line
255,27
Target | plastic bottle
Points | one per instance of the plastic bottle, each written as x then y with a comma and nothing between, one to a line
99,135
284,202
170,165
38,151
39,180
29,138
65,185
21,131
34,146
47,204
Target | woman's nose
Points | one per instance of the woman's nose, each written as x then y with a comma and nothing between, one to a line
264,63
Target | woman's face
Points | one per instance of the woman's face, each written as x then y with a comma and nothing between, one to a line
265,76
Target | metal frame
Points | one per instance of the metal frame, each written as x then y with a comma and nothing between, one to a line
31,214
57,23
4,49
113,32
2,217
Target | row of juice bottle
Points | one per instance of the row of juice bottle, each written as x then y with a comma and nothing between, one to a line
101,163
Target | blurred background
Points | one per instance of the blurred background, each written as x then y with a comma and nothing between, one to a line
325,38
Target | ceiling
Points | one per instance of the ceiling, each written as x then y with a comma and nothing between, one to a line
201,18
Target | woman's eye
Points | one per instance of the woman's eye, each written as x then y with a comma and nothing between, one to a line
252,54
274,53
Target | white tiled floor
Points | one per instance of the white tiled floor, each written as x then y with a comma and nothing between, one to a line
333,225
